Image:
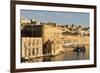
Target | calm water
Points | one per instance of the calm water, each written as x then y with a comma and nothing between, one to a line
68,55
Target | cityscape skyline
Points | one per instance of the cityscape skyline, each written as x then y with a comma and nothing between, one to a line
58,17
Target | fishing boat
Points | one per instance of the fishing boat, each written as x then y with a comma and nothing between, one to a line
80,48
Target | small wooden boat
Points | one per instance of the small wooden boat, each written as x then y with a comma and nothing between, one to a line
80,49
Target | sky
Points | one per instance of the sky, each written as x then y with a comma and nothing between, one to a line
59,17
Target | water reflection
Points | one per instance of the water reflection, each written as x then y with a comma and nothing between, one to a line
68,55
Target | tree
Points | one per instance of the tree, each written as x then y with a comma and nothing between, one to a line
33,21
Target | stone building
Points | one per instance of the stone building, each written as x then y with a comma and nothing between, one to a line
52,39
24,20
41,40
31,47
31,41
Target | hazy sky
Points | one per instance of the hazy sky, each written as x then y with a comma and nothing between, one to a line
57,17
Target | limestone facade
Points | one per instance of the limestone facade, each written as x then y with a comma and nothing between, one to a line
48,43
31,47
52,35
